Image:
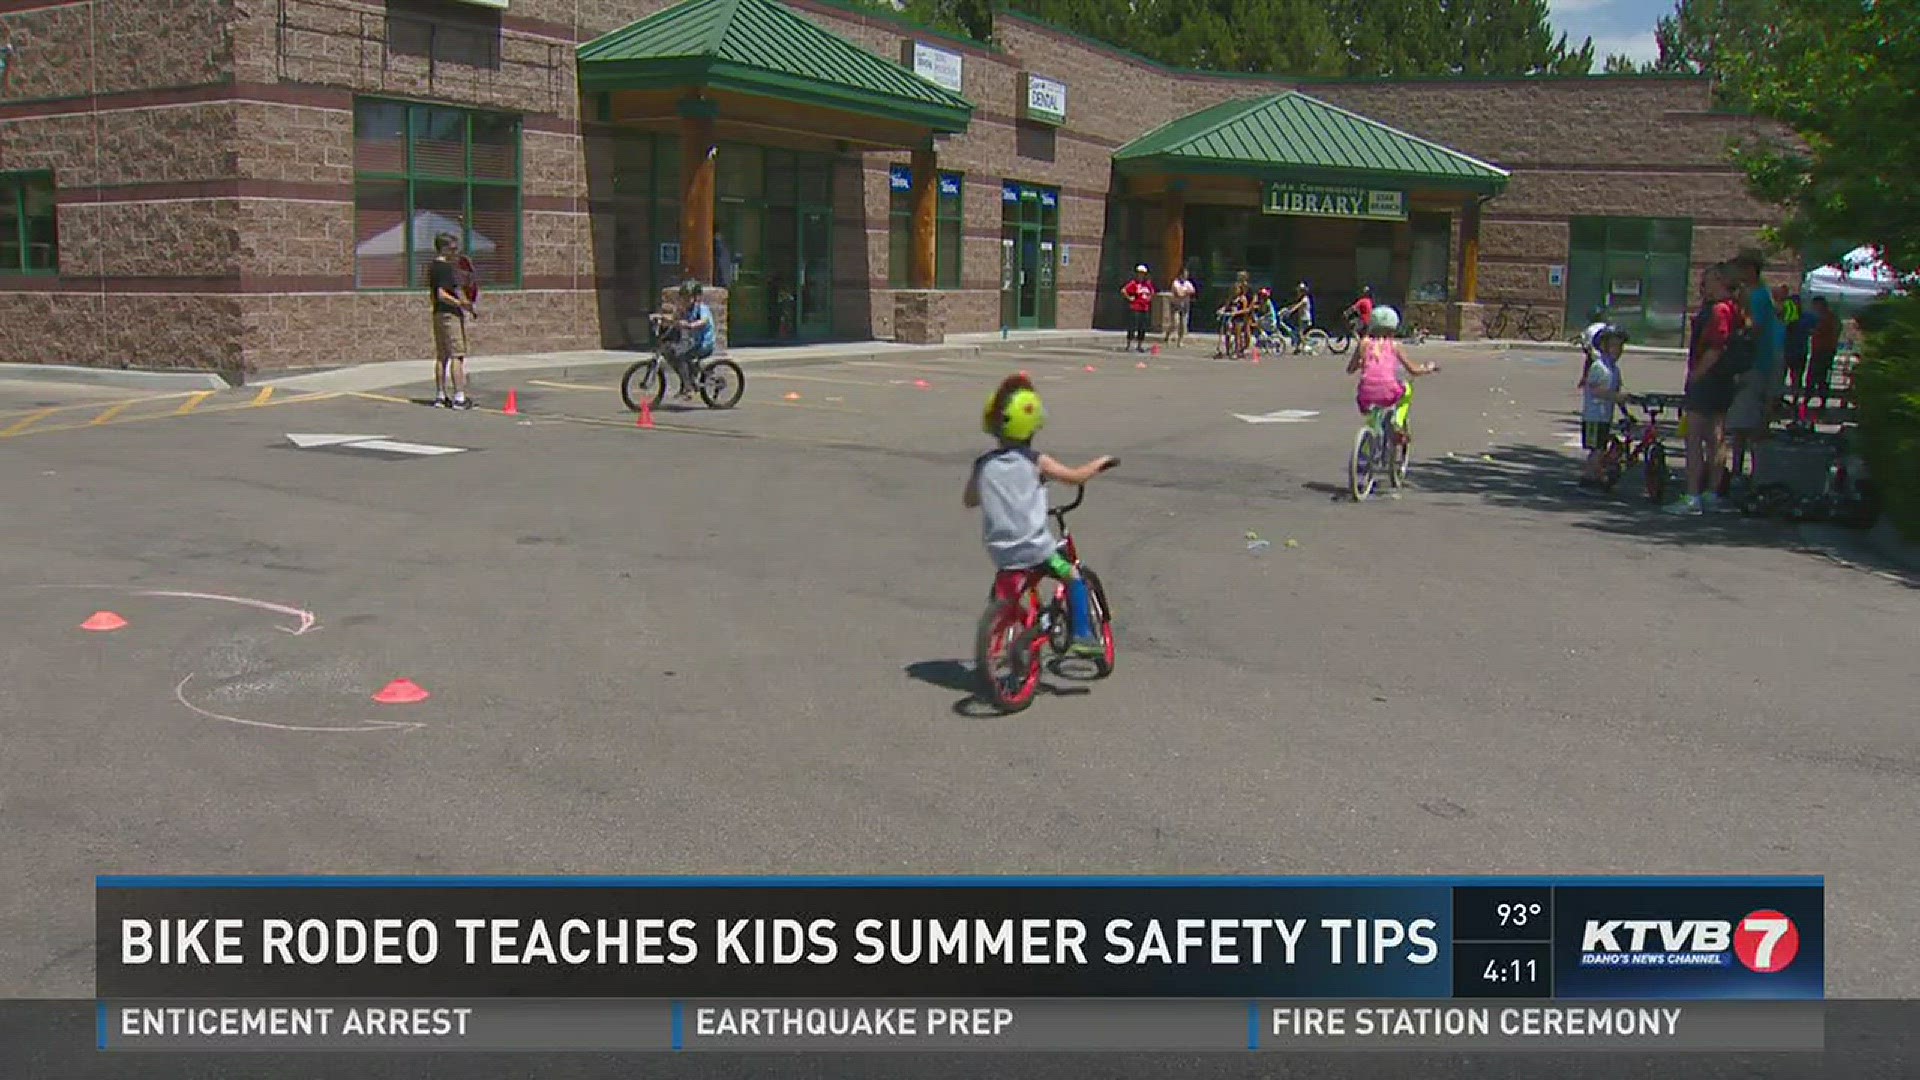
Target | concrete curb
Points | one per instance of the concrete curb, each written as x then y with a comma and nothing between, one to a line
129,378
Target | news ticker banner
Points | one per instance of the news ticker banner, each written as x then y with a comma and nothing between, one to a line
959,963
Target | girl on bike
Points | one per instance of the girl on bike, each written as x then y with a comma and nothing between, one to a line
1385,372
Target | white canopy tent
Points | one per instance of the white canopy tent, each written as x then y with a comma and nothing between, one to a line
1856,280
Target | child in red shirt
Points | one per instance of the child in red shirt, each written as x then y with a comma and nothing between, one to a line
1139,294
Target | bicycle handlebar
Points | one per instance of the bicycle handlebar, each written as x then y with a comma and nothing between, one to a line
1080,494
1656,401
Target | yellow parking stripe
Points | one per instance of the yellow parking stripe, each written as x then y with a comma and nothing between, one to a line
193,402
106,415
30,420
261,398
573,386
817,378
22,428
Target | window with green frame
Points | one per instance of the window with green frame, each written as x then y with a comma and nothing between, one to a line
421,170
947,240
29,241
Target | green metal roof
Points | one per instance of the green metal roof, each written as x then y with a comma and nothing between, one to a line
1292,136
760,47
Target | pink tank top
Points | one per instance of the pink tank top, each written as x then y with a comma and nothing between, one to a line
1379,370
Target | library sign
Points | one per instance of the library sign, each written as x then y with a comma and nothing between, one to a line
1314,200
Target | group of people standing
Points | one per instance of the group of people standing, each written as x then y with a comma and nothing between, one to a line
1247,313
1747,340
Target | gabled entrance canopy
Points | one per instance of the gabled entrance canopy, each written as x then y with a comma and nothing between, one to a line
761,48
1293,137
753,71
1291,154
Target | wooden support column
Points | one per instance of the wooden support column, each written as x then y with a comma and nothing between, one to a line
697,153
926,202
1173,237
1470,253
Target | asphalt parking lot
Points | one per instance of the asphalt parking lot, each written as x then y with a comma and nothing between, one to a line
737,642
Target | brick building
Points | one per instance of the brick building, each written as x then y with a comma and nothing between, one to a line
244,185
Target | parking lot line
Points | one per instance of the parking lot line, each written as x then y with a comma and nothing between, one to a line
816,379
107,414
573,386
111,415
31,419
193,402
265,393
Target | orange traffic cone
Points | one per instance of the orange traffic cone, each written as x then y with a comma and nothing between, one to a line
513,402
646,415
103,621
401,692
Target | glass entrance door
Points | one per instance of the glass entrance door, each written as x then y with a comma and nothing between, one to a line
1029,243
740,240
815,274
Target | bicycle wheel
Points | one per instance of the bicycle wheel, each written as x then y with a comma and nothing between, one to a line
1360,478
721,384
1656,474
1493,323
1539,326
646,380
1396,455
1101,616
1340,340
1004,658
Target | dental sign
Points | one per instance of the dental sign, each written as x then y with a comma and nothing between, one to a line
1313,200
937,66
1046,100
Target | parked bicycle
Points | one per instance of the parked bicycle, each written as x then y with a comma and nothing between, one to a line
1646,450
1523,319
717,380
1019,626
1341,337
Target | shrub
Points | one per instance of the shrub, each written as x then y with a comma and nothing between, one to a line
1887,389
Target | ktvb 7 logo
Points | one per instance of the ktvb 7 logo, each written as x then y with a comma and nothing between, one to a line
1764,941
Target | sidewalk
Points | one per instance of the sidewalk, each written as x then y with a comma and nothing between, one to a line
385,375
380,376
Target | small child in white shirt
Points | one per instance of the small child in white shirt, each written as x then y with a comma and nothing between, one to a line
1601,392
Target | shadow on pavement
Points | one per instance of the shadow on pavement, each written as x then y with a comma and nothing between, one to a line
959,675
1542,479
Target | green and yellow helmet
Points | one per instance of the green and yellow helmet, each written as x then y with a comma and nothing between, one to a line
1014,411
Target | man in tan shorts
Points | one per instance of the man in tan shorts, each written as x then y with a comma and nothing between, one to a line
450,308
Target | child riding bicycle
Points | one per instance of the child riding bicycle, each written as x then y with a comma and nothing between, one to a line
693,339
1386,373
1009,485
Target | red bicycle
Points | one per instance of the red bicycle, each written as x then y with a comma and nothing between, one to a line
1624,449
1018,625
